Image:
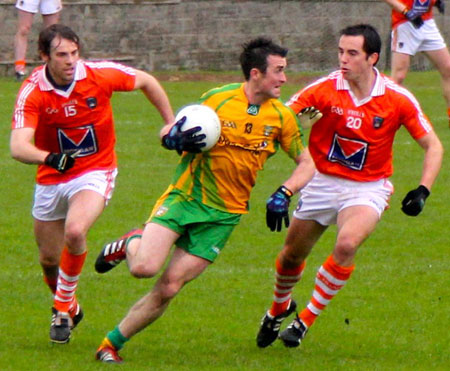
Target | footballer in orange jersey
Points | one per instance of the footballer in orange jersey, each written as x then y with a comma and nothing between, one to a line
210,190
351,144
63,123
414,30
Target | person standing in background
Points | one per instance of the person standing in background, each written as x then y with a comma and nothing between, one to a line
414,30
26,9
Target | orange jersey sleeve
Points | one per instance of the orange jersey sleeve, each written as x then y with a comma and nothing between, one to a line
79,119
354,139
425,7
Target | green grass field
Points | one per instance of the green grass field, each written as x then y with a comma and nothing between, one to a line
392,315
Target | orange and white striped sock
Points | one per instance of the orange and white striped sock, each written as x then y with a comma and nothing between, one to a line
51,283
330,278
69,273
285,280
19,65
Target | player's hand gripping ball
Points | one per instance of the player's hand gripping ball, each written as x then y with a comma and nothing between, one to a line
205,118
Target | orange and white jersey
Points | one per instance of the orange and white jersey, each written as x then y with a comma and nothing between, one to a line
424,7
78,119
354,139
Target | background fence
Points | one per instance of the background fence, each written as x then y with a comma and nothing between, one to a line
206,35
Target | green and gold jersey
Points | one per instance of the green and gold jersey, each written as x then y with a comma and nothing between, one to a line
223,177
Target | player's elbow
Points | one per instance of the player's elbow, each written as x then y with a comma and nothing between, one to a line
15,152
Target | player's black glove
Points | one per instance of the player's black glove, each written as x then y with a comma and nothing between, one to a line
183,140
277,209
414,201
60,161
414,17
440,5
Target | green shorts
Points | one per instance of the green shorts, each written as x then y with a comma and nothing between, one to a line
204,230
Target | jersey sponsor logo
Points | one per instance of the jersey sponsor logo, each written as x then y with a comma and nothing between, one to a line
254,148
348,152
80,139
421,6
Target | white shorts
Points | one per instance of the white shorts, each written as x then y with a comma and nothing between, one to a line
45,7
51,202
325,196
407,39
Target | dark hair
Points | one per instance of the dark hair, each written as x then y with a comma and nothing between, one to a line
372,40
255,53
47,35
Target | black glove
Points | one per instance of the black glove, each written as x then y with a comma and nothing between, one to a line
277,209
183,140
414,17
414,201
440,5
61,161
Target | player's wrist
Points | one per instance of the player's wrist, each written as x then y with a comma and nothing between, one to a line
423,191
50,158
406,10
286,191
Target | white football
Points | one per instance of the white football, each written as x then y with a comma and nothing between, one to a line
206,118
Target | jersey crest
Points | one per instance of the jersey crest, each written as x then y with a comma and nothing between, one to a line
80,139
350,153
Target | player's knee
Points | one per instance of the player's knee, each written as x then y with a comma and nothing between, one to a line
49,258
399,77
143,270
23,30
75,235
345,249
291,257
48,261
169,289
445,72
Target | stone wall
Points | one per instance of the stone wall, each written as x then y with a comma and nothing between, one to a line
205,35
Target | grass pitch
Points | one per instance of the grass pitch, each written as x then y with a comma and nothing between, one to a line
392,315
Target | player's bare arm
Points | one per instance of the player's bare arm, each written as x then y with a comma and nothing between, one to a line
277,206
433,158
302,173
396,5
22,147
24,150
155,94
